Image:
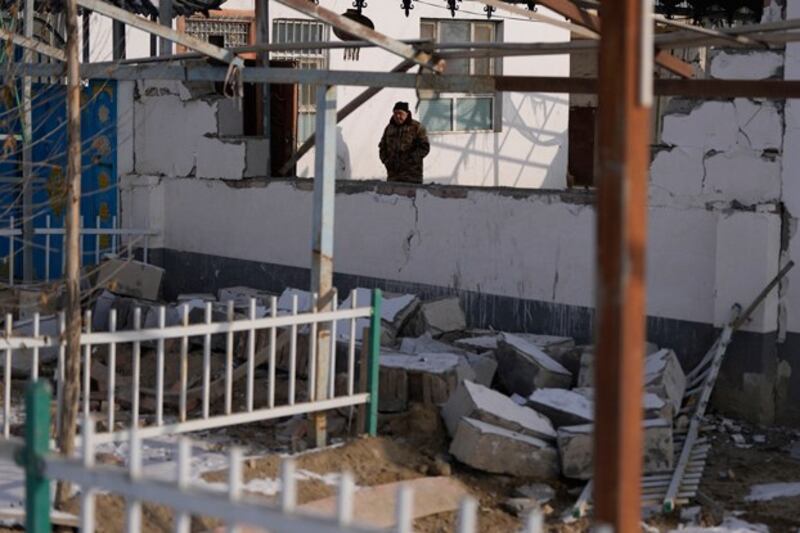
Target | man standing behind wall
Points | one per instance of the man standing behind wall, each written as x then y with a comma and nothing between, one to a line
403,146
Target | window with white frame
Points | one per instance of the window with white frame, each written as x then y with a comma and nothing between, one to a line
299,30
458,111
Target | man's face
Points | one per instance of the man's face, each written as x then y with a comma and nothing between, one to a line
400,116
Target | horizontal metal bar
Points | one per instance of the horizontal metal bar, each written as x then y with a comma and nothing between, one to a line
10,232
194,330
32,44
713,88
361,31
98,231
247,417
192,500
166,32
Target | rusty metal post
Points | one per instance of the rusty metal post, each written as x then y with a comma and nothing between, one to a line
322,244
66,436
625,91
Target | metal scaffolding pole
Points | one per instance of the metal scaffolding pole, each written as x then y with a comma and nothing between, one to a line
27,156
322,246
625,94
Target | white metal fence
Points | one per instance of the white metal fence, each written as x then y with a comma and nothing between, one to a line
117,239
171,411
183,498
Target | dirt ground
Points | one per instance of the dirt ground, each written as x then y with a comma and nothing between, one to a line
414,444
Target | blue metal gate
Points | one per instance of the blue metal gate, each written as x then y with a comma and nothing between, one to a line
98,175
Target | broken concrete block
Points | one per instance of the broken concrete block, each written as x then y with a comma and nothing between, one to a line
665,378
482,403
522,367
395,311
426,343
241,296
101,310
130,278
484,365
393,390
575,446
586,373
201,296
433,377
562,407
500,451
443,316
22,360
654,407
304,300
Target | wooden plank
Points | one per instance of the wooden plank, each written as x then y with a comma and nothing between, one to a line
375,506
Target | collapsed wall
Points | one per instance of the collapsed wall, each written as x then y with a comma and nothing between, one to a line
723,202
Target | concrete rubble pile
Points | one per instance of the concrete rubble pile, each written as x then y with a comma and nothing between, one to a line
513,403
527,406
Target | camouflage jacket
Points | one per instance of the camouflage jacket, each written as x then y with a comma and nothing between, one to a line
402,149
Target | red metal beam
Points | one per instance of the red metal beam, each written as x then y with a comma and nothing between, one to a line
624,156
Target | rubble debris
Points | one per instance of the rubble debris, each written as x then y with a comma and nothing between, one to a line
483,364
500,451
770,491
438,317
541,492
562,407
241,295
201,296
520,507
665,378
691,515
575,446
393,390
739,440
523,368
303,300
396,309
22,360
562,349
130,278
425,343
760,439
375,506
477,402
431,377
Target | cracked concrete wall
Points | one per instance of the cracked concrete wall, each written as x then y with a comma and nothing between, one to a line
186,130
528,150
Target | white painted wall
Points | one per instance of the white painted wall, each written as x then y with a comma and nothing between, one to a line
791,176
529,151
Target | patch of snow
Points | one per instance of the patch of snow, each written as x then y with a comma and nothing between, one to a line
436,363
770,491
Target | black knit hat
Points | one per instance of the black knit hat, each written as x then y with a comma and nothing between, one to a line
403,106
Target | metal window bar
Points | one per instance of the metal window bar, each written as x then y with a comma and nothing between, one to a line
181,496
171,408
296,31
